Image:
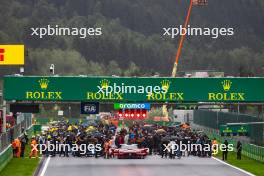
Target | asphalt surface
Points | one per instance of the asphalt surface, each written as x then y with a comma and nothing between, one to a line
151,166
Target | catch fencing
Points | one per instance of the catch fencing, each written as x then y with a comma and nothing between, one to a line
250,150
14,132
212,119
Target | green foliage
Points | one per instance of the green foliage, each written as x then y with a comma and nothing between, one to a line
248,164
21,166
67,62
132,42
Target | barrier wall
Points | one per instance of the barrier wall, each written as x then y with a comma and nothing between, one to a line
15,131
213,120
6,151
249,150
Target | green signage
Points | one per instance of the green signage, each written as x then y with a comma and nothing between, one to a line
235,129
132,106
243,129
124,89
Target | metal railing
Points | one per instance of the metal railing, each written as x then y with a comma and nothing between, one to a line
14,132
213,120
250,150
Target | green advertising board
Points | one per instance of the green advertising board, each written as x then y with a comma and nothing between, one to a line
132,106
124,89
234,129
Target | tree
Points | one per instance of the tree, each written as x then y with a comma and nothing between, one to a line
113,68
132,70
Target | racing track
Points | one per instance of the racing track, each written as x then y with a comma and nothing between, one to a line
151,166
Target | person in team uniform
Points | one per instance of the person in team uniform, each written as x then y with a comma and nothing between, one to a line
239,150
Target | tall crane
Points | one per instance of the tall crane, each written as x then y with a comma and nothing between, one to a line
178,54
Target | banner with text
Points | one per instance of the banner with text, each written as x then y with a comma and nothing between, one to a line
132,106
124,89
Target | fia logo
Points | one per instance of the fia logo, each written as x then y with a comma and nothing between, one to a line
90,108
2,51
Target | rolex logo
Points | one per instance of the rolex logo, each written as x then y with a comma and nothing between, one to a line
104,83
165,85
43,83
226,85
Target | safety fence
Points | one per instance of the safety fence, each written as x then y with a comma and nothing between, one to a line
6,152
14,132
250,150
214,119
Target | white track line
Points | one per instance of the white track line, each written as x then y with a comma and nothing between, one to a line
5,149
241,170
45,167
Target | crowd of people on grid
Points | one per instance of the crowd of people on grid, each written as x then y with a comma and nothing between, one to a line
156,138
153,137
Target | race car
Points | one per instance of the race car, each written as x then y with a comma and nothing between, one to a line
130,152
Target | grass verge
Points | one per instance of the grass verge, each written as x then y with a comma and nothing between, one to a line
21,166
247,164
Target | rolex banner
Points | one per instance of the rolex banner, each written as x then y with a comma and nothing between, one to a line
109,89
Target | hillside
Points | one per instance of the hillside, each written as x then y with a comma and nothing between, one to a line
132,42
